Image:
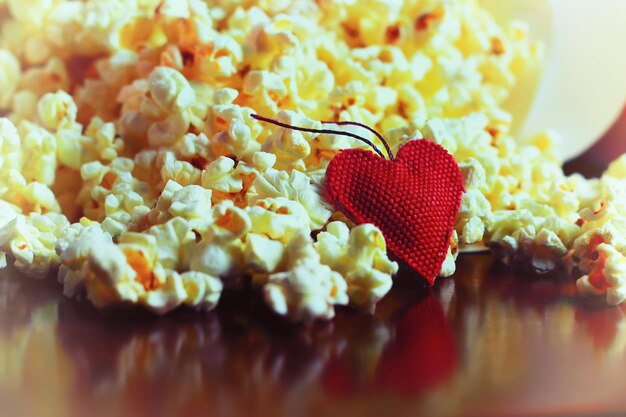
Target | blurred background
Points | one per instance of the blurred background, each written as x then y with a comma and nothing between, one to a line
580,90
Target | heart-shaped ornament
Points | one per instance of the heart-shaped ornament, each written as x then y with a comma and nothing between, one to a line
413,199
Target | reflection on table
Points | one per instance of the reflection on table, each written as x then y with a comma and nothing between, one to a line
487,342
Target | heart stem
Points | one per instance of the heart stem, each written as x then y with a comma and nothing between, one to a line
322,131
364,126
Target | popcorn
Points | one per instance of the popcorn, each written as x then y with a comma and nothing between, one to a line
56,109
73,247
109,279
220,250
170,90
279,218
218,59
309,289
360,256
296,186
39,148
219,176
33,240
137,118
10,151
474,216
173,241
191,201
203,291
607,276
9,77
448,267
262,254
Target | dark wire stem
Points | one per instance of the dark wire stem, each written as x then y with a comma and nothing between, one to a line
323,131
364,126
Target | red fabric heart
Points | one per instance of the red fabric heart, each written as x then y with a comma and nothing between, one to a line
413,200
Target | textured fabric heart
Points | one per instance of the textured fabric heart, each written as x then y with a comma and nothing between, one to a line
413,199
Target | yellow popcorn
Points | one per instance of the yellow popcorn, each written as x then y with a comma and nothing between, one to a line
308,289
448,267
173,240
73,247
474,216
109,278
56,109
44,79
136,116
10,152
219,175
607,276
182,172
236,133
170,294
295,186
217,59
170,90
104,144
220,250
33,242
203,291
191,201
360,256
39,148
262,254
279,218
9,77
37,197
289,146
263,161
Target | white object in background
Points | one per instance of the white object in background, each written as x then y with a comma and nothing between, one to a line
582,86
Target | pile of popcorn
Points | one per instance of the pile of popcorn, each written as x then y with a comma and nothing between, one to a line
130,165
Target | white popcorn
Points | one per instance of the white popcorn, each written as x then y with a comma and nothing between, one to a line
360,256
169,295
190,202
296,186
170,90
56,109
9,76
279,218
10,153
73,247
263,161
219,175
220,252
203,291
172,241
262,254
180,187
608,275
109,279
305,292
309,289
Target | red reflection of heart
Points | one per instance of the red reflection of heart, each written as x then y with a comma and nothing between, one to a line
422,355
413,199
423,352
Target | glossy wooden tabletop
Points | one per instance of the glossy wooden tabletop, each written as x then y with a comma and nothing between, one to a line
489,342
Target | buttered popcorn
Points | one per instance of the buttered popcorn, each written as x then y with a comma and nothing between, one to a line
131,167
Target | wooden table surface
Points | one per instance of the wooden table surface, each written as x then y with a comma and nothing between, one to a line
490,341
486,343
